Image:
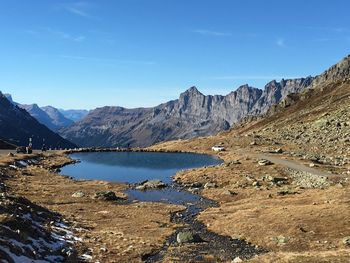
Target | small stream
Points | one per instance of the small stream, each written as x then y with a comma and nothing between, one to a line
135,167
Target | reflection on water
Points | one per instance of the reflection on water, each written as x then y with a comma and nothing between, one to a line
165,195
134,167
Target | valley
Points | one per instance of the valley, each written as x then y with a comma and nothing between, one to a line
175,131
294,206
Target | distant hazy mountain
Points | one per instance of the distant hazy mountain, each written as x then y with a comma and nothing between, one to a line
57,118
17,126
49,116
193,114
74,115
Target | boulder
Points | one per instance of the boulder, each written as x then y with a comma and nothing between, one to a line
196,185
281,240
210,185
78,194
237,260
229,192
279,150
187,237
106,196
279,180
346,240
151,184
263,162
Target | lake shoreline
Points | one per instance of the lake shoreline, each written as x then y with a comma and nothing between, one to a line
236,186
208,243
83,213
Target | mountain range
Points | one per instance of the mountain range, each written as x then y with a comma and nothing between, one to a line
17,126
192,115
51,117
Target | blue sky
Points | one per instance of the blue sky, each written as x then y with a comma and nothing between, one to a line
86,54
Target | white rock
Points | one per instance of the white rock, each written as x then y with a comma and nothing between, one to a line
237,260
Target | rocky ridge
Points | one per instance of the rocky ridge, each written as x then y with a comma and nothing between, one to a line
192,115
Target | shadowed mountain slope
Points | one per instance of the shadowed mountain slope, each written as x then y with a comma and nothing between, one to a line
17,126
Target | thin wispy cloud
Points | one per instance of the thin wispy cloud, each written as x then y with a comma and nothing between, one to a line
212,33
47,31
323,39
327,28
82,9
327,34
66,36
280,42
108,60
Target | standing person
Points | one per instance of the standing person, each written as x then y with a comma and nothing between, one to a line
30,145
43,148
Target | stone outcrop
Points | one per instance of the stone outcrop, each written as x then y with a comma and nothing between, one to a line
338,72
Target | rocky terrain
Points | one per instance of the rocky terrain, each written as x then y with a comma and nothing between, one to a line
285,183
17,126
192,115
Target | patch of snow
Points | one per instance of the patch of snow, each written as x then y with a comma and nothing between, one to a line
85,257
24,259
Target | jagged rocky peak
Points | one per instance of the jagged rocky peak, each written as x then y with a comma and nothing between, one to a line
289,85
192,91
275,91
298,81
338,72
245,89
190,98
244,93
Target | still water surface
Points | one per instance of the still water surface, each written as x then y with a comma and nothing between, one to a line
134,167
